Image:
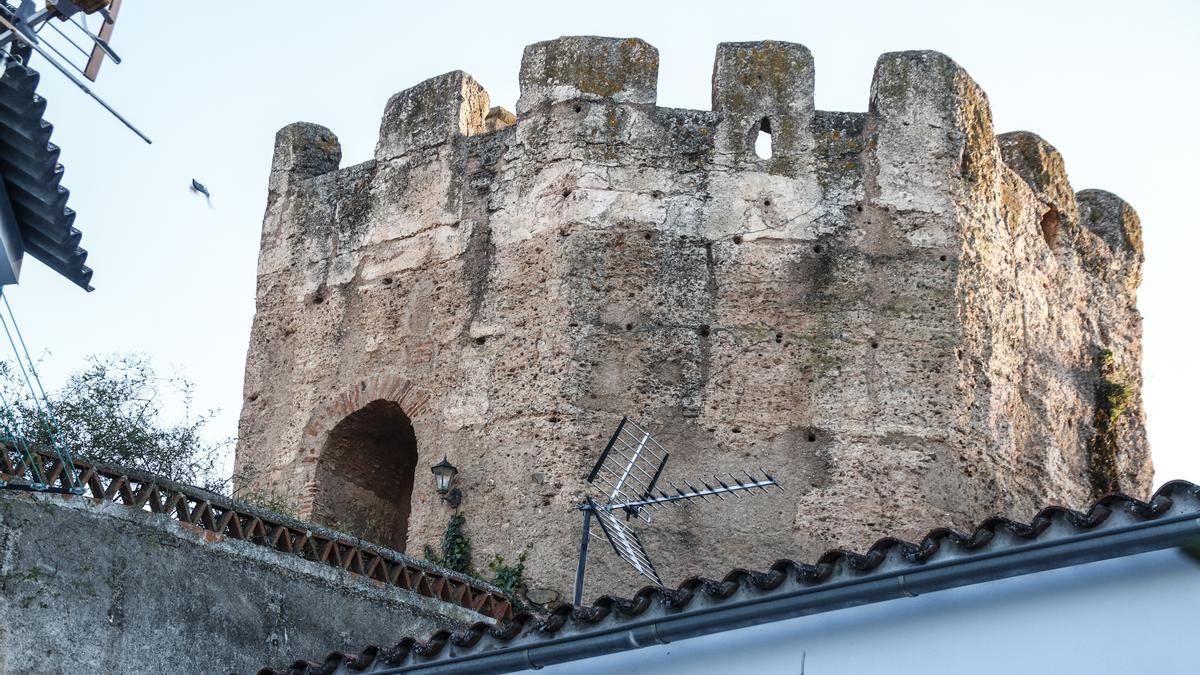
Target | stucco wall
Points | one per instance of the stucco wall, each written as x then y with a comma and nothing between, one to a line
110,589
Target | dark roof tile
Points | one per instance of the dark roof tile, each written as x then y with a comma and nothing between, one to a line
31,174
991,534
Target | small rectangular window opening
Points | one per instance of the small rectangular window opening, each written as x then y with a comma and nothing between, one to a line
762,140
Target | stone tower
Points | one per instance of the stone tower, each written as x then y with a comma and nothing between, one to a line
909,320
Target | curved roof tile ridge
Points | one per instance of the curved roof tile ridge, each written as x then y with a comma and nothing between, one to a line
830,564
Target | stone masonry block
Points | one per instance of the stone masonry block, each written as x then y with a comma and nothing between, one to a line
431,113
499,118
1041,166
304,150
624,70
764,86
1113,220
934,130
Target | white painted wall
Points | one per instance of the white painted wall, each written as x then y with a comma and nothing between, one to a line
1128,616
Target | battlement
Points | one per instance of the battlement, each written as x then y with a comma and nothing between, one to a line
930,122
752,82
905,315
588,69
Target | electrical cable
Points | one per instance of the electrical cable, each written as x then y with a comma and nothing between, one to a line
40,400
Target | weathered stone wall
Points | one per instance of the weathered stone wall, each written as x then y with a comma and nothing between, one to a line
899,314
110,589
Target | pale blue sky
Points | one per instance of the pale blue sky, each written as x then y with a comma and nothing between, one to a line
1110,84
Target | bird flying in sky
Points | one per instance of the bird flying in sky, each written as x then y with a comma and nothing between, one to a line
199,188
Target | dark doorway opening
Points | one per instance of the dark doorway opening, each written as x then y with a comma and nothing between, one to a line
365,475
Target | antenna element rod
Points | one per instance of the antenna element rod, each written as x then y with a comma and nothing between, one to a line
4,22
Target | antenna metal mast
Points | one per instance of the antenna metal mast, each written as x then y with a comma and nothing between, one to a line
628,474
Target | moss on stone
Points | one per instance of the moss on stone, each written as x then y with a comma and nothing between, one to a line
765,66
609,69
328,144
1112,398
839,145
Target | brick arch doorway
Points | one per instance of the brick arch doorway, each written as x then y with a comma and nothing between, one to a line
365,474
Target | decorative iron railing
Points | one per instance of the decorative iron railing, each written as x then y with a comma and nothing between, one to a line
205,511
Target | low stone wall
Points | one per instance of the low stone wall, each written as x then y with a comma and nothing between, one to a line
102,588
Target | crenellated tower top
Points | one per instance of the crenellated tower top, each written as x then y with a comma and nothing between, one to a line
921,104
913,319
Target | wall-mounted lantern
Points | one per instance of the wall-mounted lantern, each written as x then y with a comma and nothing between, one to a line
444,473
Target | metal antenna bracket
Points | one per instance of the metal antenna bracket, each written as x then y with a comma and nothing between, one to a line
627,473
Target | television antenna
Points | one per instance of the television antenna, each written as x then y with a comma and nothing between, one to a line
628,473
22,32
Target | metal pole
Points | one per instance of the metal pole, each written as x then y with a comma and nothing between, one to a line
694,494
583,546
33,21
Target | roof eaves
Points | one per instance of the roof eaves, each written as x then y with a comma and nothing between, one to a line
32,176
1115,526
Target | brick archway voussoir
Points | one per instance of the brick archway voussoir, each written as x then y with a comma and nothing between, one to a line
412,399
